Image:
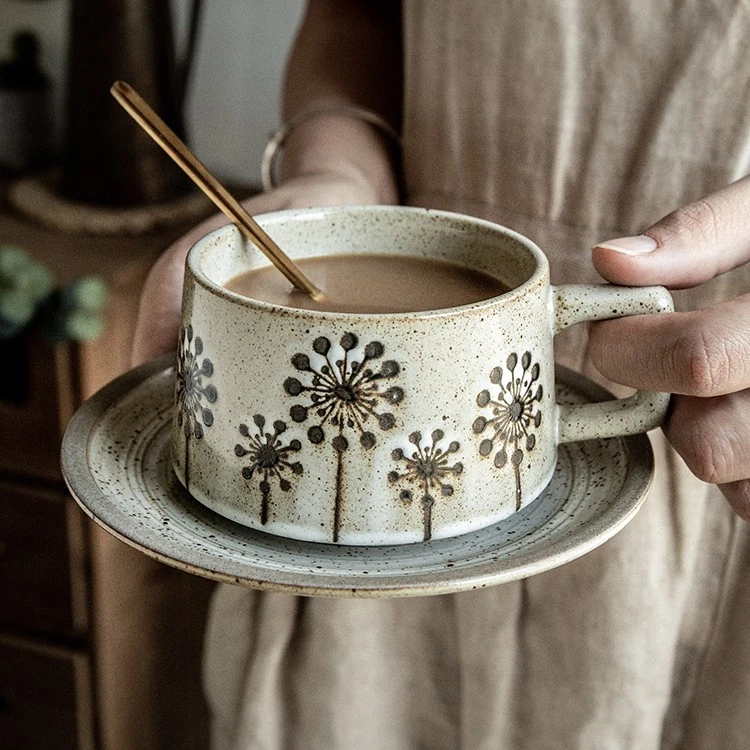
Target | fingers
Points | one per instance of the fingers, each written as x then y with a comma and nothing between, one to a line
159,310
713,436
702,353
689,246
738,494
703,356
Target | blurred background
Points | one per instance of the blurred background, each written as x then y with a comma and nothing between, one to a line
233,100
100,646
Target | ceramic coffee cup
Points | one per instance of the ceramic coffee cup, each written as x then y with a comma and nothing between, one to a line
383,428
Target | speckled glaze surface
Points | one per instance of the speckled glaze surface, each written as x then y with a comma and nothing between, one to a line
382,429
116,461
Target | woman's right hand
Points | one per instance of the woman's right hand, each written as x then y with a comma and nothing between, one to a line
161,299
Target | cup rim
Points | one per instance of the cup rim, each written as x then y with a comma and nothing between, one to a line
540,273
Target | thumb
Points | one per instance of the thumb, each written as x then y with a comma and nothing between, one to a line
685,248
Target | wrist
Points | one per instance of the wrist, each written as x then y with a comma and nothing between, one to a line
346,143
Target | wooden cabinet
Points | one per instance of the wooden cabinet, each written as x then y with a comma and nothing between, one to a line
45,697
46,686
99,645
43,562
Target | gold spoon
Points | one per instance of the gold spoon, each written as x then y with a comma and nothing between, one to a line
142,113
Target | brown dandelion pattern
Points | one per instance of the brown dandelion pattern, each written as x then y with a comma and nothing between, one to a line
515,414
267,459
345,397
193,394
427,468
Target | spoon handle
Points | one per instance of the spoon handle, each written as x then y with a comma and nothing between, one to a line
142,113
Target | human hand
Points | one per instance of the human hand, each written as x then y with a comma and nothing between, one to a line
702,356
161,299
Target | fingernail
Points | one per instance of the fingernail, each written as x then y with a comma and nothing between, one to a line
639,245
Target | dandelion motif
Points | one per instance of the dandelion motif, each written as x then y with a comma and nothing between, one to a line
345,396
268,459
513,417
192,393
427,468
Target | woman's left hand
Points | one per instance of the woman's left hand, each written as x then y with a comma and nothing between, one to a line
702,356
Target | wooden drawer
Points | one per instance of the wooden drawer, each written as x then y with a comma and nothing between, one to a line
38,393
45,698
42,561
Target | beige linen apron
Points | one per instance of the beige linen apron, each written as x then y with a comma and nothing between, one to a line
571,121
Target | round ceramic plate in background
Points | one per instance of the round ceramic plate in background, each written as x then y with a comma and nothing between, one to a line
115,459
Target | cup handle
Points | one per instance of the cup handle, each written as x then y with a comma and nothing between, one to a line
575,303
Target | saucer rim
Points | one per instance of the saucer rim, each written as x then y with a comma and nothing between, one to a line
637,451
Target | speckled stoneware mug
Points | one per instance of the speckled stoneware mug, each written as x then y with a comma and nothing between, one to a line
383,428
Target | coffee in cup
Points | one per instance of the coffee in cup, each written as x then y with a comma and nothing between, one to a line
372,283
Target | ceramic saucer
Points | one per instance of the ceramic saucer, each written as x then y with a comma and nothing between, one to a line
115,459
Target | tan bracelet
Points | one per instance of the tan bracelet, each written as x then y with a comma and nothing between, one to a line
275,146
